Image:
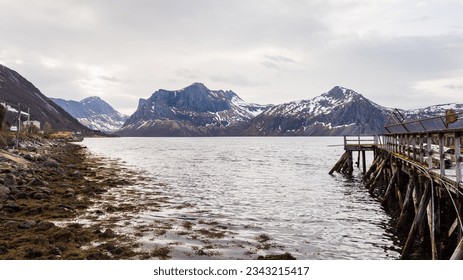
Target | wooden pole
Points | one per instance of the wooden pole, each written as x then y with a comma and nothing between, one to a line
458,253
390,187
350,169
376,175
417,221
338,164
429,150
364,162
421,149
458,156
432,223
372,168
441,154
408,198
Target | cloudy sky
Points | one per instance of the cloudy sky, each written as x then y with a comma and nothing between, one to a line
405,54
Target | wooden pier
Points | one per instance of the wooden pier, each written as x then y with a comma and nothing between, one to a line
418,176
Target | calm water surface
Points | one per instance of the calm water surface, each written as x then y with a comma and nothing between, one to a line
277,186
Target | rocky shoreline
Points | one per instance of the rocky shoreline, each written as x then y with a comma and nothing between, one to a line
46,186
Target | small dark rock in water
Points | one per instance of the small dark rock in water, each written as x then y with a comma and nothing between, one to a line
37,182
13,207
32,253
27,225
39,196
44,226
46,190
3,249
108,233
55,251
21,195
285,256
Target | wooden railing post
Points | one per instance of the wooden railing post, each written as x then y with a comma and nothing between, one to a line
441,154
458,156
429,151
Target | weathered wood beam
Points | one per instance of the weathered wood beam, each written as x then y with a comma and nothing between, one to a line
406,204
458,253
417,221
338,164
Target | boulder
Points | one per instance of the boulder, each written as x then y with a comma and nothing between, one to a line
27,224
37,183
44,226
12,207
5,190
49,162
10,180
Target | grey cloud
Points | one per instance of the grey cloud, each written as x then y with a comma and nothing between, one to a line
143,45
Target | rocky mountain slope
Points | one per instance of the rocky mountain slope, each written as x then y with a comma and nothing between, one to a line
340,111
191,111
15,89
94,113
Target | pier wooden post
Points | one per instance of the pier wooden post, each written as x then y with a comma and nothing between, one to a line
429,150
433,224
458,156
458,166
421,150
417,221
350,167
441,154
364,162
458,253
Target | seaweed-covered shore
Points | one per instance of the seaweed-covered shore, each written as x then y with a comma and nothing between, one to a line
46,186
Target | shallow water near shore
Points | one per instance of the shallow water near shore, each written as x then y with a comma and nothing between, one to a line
254,196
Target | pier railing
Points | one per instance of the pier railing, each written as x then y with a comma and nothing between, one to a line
451,120
438,151
360,142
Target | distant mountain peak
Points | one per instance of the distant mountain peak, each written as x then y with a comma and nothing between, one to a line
339,92
191,111
92,99
93,112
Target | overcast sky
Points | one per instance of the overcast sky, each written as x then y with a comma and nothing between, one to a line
405,54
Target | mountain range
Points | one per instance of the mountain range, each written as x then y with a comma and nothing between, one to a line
94,113
198,111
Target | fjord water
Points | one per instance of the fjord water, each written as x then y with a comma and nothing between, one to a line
278,185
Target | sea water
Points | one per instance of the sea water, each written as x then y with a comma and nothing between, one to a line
274,185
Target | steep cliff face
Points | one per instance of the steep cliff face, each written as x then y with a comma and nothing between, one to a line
192,111
340,111
15,89
94,113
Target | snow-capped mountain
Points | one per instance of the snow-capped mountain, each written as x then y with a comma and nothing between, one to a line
18,94
340,111
94,113
191,111
431,111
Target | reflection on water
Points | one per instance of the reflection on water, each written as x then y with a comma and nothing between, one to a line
279,186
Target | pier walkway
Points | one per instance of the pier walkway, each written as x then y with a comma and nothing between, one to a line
417,174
